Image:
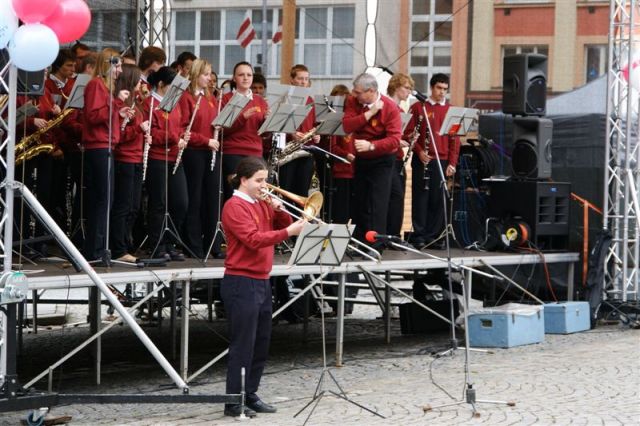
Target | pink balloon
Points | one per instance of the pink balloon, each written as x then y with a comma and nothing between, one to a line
33,11
70,20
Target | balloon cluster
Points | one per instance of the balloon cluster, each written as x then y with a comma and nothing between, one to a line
47,23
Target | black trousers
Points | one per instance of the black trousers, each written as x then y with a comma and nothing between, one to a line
342,200
177,203
247,303
99,191
396,199
427,213
372,188
126,202
296,175
202,213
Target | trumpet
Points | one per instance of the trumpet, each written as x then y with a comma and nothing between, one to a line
311,207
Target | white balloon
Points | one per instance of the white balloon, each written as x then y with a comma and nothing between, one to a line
8,22
33,47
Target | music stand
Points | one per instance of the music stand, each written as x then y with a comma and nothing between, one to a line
458,121
327,105
285,118
323,244
225,119
287,94
167,104
76,97
25,111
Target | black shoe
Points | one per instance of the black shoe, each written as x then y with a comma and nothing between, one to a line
435,245
234,411
219,255
162,255
260,406
175,255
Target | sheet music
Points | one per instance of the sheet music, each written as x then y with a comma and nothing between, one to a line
76,97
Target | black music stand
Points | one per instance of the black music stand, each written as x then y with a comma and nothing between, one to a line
327,105
287,94
225,119
324,244
167,104
76,97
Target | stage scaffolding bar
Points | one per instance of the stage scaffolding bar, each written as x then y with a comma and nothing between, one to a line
622,154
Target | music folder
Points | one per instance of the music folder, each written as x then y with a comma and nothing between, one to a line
458,121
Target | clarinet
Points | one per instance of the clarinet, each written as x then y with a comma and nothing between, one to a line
147,145
187,130
216,129
414,138
427,177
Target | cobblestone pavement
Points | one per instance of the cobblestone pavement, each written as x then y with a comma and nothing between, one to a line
585,378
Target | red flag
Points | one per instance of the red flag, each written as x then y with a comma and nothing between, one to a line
246,33
278,35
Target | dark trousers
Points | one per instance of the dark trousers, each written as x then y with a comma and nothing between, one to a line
342,200
296,175
372,189
126,202
229,164
427,214
177,204
247,303
202,214
75,164
99,192
396,199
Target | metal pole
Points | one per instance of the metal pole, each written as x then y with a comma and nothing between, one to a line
64,241
340,319
264,38
184,333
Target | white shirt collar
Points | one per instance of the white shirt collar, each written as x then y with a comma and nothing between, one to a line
432,102
199,92
143,78
371,104
59,83
248,95
244,196
157,96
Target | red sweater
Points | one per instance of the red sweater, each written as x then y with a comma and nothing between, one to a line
252,229
165,131
201,130
129,150
384,129
448,147
242,137
342,146
95,130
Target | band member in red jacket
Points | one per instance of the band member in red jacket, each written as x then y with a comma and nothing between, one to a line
253,226
167,138
100,134
375,125
242,138
202,182
426,190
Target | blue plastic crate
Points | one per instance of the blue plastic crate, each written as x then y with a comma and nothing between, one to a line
566,317
506,326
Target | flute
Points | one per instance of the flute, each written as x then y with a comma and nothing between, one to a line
127,118
216,131
187,130
147,145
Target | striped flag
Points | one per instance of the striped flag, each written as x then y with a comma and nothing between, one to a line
246,33
278,35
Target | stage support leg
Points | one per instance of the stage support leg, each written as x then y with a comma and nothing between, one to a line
172,320
570,272
95,318
340,319
387,309
184,335
34,309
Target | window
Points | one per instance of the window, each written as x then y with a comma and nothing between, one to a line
110,29
431,30
324,38
595,61
514,50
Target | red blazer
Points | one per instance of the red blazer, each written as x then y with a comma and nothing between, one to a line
448,147
129,150
165,131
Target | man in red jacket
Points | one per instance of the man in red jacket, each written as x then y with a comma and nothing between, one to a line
376,127
427,212
253,227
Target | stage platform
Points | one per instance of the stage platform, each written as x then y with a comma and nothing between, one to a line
51,275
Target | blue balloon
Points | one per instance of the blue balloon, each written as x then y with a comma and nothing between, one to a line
33,47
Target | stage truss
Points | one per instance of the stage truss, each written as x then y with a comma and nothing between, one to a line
153,19
622,155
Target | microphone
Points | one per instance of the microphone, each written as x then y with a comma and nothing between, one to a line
373,236
420,96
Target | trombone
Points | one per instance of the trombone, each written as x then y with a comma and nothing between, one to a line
311,207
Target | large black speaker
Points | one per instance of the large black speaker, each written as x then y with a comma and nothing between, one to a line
531,155
29,82
544,206
524,84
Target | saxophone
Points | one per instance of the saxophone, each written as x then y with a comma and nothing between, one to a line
294,150
31,146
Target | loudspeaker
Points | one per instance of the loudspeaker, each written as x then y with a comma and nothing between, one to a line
524,84
543,206
531,155
414,319
29,82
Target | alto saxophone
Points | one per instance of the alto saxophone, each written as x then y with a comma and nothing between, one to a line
31,146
